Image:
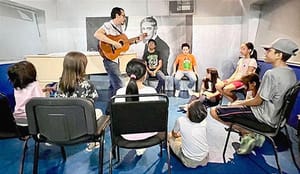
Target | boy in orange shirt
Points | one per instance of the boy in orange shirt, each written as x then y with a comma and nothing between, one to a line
185,65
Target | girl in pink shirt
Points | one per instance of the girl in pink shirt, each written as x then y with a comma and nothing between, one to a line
247,64
23,77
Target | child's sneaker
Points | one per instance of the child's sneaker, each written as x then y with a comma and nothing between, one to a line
259,140
48,144
140,152
91,146
183,107
98,113
248,142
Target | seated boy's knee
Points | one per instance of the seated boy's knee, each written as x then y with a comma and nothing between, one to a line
227,89
213,112
194,79
177,79
219,86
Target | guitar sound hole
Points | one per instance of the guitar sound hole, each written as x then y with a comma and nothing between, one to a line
121,42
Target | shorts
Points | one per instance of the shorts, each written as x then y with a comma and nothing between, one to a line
236,83
227,113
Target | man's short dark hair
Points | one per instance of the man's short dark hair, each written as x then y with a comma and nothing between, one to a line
114,11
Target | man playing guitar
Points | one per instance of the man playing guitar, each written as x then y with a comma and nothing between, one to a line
113,28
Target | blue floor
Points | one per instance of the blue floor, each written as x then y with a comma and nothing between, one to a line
80,161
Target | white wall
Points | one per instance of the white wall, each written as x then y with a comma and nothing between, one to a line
279,19
20,31
216,42
65,19
219,26
66,30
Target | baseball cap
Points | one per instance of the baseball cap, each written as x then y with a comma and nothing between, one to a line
285,45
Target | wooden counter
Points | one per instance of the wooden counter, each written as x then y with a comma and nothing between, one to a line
49,67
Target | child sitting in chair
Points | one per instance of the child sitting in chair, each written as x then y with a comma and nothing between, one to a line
23,75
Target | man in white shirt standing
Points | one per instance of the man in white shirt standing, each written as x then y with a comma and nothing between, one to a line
114,28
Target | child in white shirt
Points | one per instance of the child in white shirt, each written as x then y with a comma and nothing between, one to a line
188,138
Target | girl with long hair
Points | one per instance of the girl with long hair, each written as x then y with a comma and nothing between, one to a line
136,71
73,83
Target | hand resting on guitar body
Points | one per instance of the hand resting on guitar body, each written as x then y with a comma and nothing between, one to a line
121,44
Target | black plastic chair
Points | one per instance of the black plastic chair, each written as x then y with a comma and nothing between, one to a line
139,117
8,127
65,121
266,130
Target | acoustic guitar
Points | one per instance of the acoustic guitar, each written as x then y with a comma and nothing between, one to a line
109,51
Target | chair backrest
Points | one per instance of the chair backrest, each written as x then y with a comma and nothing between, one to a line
61,120
7,123
288,103
139,116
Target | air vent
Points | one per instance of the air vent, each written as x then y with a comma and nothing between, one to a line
181,7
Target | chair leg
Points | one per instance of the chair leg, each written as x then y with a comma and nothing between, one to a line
164,88
36,157
174,89
226,142
196,84
63,153
25,147
275,152
161,144
291,147
114,154
168,157
110,159
118,154
101,154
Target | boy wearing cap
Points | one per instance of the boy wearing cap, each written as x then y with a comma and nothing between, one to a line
269,98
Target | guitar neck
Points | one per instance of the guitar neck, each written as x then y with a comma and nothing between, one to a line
133,40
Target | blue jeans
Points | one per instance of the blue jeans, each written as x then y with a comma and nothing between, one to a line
189,74
114,75
161,80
